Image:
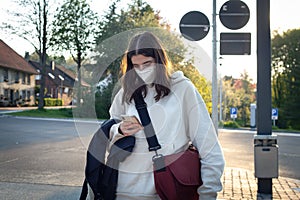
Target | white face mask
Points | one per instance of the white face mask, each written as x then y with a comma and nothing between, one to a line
147,74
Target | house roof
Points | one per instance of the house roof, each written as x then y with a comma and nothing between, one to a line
12,60
59,71
71,74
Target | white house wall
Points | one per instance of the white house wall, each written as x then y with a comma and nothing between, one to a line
16,86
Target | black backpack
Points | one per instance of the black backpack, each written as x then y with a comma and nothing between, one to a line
102,176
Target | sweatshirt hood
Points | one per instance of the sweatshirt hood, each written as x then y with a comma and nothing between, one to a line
177,77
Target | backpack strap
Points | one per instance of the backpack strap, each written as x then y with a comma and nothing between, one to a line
102,176
141,107
95,159
84,190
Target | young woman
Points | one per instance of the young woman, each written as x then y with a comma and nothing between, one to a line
178,114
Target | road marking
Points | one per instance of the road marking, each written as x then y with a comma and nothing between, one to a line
255,132
8,161
289,154
74,120
288,134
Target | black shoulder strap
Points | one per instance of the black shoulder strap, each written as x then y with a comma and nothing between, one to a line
95,158
141,107
84,190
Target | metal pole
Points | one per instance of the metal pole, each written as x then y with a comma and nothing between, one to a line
221,111
264,108
214,71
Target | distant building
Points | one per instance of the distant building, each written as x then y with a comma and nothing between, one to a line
17,78
59,81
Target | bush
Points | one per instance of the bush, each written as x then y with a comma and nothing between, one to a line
103,101
59,102
221,123
231,124
53,102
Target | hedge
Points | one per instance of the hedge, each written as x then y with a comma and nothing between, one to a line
53,102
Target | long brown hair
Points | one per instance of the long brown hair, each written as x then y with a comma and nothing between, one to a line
148,45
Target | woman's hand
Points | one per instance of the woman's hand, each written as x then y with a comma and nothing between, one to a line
129,128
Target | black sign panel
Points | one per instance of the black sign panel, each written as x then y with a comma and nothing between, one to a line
234,14
235,44
194,25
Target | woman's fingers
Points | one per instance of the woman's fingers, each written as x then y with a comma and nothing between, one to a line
129,128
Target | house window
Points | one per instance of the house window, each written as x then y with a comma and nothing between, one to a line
6,93
38,77
5,75
23,94
17,77
28,94
23,78
28,79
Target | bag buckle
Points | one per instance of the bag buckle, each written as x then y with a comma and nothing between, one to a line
156,156
158,162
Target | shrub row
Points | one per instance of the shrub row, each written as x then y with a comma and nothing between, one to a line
53,102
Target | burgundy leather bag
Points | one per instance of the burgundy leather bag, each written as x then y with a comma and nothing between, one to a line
177,176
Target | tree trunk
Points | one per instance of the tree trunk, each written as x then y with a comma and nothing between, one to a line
43,54
79,95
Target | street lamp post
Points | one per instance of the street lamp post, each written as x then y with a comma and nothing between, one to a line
221,109
214,71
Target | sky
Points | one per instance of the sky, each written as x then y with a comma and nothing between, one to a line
284,15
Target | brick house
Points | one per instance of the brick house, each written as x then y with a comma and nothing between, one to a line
59,81
17,78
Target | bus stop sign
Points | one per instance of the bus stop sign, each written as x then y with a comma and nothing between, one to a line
234,14
194,25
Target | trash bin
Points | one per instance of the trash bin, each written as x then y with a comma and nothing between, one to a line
265,156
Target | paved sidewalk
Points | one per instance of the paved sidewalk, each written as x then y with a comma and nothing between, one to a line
241,184
16,109
238,184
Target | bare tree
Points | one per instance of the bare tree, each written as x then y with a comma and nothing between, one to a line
31,22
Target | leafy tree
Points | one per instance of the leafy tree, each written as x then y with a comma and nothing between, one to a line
239,93
202,85
138,14
31,23
285,76
74,31
245,94
58,59
292,106
229,96
103,101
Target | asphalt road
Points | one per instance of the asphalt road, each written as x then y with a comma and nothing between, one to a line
42,159
45,159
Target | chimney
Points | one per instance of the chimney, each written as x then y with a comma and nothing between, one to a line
27,56
53,65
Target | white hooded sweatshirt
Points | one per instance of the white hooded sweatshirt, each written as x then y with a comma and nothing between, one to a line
177,119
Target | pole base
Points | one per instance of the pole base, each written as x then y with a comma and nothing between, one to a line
264,186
